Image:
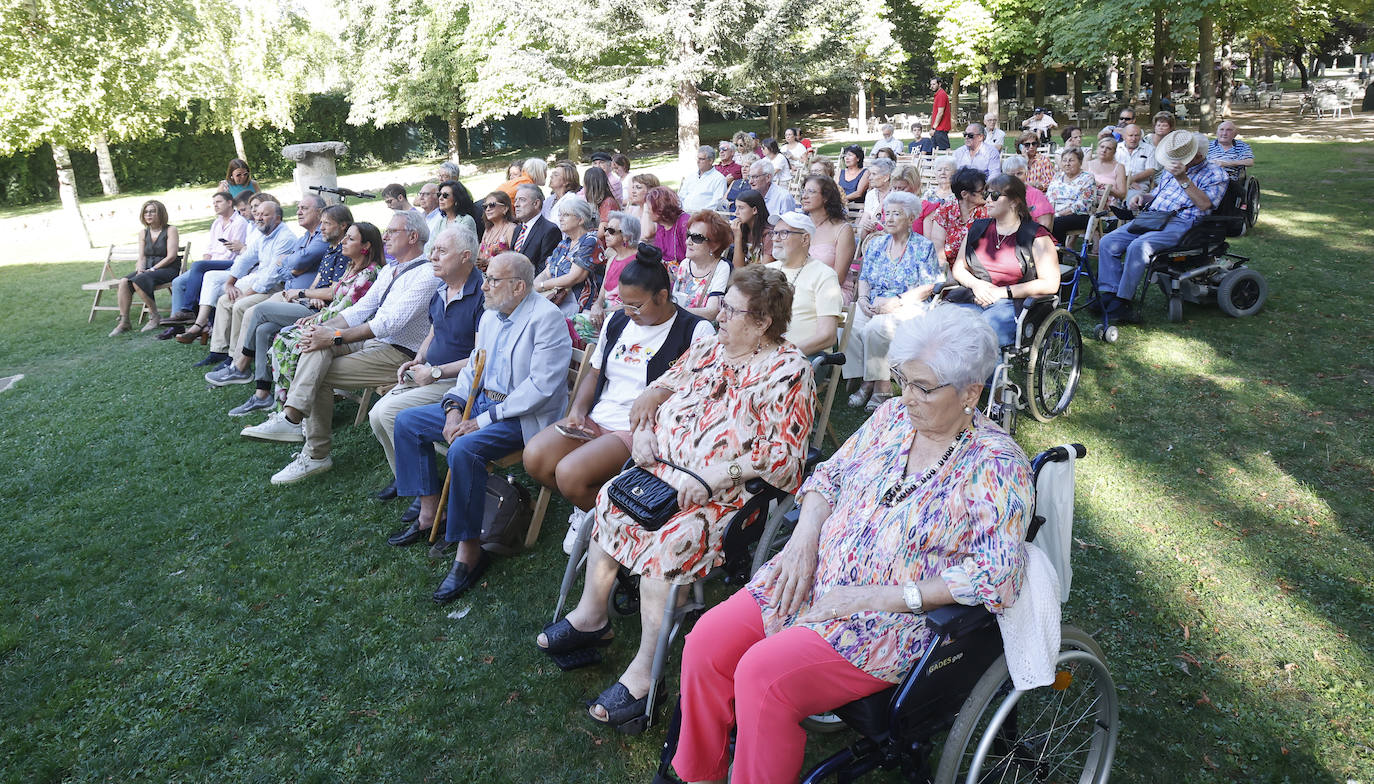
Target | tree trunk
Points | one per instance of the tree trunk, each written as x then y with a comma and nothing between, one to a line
994,98
1113,74
1227,68
548,126
108,182
954,101
66,188
455,123
1040,85
1021,87
1205,59
238,143
1269,64
1136,67
1192,78
688,126
862,113
1075,88
773,119
1161,43
1302,66
575,141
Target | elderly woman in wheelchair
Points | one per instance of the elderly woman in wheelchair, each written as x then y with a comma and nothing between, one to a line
926,505
734,408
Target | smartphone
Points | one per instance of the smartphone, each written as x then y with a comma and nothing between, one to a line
580,435
223,240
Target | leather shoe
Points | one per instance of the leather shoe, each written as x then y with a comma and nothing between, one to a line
403,537
412,512
460,578
386,493
211,359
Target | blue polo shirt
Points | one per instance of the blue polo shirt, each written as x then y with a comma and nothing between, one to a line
455,321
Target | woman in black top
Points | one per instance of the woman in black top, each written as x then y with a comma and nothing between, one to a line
158,263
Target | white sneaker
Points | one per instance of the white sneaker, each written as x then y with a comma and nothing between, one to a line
575,521
276,428
301,466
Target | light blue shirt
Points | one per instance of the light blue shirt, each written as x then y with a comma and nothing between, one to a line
281,242
497,376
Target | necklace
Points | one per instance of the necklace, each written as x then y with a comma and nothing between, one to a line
692,270
1001,238
901,491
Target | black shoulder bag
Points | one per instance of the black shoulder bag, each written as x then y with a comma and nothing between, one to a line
648,500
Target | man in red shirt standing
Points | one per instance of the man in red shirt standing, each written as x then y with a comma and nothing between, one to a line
940,121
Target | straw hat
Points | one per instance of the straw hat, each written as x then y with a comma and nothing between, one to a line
1178,147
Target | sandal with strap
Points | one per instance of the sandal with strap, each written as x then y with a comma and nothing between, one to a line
194,332
564,638
622,708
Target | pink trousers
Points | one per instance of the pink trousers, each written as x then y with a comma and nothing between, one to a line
732,673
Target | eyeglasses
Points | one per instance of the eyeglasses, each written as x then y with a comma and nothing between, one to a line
491,206
728,312
446,195
390,231
992,195
785,233
493,281
1126,118
611,230
908,385
632,310
697,239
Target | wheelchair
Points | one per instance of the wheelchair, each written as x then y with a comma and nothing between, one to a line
1040,371
1078,282
958,699
1201,268
686,603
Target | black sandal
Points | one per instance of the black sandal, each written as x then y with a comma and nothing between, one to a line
563,637
622,709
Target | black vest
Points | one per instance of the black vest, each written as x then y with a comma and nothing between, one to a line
674,345
1025,237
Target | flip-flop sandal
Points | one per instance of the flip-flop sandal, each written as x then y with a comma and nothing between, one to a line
621,707
564,638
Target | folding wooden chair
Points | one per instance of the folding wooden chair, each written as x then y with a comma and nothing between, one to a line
823,425
109,278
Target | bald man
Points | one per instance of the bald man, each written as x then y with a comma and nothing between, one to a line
1230,153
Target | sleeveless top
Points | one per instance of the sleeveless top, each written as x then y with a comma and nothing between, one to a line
154,250
849,186
235,190
824,252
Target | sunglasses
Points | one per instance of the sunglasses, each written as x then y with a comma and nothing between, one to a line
696,238
610,230
492,206
992,195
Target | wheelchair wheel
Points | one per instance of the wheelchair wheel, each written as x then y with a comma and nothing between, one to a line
1252,202
1175,309
1056,359
1242,292
1063,732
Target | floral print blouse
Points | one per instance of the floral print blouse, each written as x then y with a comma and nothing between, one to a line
1039,172
887,277
1072,197
950,218
966,525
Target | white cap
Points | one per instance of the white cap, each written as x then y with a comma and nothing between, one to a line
795,219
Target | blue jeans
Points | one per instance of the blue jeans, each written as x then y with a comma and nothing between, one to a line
417,473
186,286
1123,256
941,139
1001,316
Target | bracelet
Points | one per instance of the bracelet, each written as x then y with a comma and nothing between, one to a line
1009,294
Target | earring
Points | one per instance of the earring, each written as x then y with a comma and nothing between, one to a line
968,410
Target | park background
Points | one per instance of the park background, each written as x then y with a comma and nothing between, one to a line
170,617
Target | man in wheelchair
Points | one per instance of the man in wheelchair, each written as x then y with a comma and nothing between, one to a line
1189,188
927,505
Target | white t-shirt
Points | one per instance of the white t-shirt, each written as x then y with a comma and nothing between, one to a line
626,367
815,293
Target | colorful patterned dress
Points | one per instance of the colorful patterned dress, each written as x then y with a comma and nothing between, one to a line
284,354
964,525
759,414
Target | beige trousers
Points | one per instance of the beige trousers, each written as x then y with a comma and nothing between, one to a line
350,366
227,337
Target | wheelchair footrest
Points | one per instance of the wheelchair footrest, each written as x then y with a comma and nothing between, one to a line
576,660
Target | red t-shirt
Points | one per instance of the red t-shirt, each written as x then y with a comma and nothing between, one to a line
1001,262
941,99
731,170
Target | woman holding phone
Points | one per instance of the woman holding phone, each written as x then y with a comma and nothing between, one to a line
584,450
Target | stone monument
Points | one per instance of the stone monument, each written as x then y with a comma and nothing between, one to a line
315,165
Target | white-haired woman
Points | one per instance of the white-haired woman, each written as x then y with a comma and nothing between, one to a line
926,505
622,239
899,273
573,274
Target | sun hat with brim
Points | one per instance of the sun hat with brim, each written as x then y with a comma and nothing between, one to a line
1177,147
797,220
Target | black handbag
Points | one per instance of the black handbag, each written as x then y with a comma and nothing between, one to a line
648,500
1150,220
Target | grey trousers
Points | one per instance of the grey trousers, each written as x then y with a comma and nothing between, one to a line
260,328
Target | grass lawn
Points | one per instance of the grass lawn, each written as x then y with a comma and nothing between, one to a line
170,616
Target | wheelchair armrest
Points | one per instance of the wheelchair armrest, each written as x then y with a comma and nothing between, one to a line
957,620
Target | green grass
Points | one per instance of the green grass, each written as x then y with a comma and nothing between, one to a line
169,616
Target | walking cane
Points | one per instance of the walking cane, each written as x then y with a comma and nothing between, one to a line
479,363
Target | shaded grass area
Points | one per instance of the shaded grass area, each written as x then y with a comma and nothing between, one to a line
171,616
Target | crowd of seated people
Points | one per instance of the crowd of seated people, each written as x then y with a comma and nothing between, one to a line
696,306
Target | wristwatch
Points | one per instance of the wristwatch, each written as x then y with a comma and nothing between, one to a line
911,594
736,474
338,337
450,404
435,373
